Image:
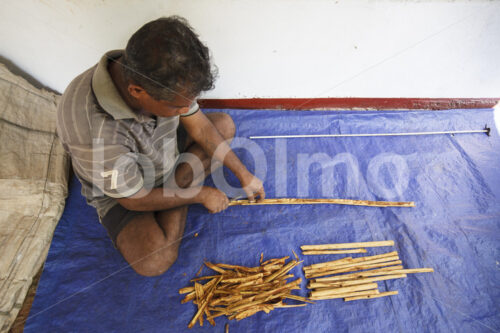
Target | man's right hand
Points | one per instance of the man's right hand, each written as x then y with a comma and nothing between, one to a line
213,199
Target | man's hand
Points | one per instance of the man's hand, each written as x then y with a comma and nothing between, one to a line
213,199
253,187
203,132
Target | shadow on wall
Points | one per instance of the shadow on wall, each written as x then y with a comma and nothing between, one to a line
14,69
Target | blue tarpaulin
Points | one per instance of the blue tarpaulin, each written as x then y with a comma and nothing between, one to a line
454,181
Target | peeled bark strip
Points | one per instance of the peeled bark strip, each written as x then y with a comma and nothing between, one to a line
192,295
215,267
205,301
299,298
186,290
200,279
227,300
282,271
275,261
284,277
294,201
243,279
239,268
290,305
199,271
346,245
209,317
198,289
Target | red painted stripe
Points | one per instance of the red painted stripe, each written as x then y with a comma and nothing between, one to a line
350,103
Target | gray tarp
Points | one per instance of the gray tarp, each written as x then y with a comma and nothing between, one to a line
33,187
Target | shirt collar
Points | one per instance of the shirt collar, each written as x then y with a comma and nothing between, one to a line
105,90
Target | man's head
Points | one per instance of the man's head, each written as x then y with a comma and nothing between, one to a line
166,60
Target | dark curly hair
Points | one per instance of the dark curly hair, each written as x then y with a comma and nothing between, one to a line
165,57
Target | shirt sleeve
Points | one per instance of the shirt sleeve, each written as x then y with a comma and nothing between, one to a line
113,170
192,109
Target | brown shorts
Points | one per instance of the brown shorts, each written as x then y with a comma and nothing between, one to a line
118,216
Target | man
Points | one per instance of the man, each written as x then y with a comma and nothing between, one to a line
124,122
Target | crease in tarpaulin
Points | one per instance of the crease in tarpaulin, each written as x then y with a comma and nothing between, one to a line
485,194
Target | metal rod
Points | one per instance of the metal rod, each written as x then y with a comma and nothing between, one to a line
485,130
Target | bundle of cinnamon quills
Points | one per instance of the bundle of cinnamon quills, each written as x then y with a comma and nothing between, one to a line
329,281
239,292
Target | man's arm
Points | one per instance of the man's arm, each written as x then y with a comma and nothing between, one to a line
163,198
203,132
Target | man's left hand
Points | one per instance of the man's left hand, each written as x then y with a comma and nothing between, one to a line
253,187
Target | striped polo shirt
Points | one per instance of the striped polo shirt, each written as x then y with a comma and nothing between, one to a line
114,150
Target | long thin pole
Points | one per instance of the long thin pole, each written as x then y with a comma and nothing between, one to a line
295,201
256,137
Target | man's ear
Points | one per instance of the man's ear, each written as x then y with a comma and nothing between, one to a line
136,91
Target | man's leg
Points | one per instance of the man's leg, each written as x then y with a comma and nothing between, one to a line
184,172
146,246
150,242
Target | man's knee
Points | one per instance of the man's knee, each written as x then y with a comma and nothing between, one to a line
155,264
144,246
224,124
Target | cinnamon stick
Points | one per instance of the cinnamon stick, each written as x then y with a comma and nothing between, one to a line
387,293
414,270
352,294
347,260
344,290
322,272
346,245
312,285
312,252
374,272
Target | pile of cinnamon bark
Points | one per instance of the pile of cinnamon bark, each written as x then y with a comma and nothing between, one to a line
239,292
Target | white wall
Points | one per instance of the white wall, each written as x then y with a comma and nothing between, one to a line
279,48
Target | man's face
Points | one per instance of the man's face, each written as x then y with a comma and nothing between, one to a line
163,108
